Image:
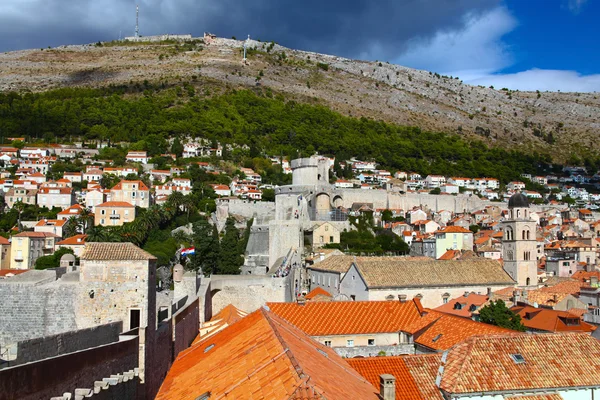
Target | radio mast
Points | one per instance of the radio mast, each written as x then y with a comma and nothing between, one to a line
137,20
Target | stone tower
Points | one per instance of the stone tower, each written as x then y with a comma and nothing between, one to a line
519,242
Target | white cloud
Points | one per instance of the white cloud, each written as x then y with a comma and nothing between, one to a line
475,49
476,54
542,79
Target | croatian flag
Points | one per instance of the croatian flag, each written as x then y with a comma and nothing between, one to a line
188,252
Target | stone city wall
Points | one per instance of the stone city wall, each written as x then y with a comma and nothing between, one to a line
187,324
54,376
373,351
33,310
63,343
248,208
247,293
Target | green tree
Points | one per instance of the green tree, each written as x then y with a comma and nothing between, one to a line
206,242
268,195
496,313
474,228
230,260
71,227
53,260
177,147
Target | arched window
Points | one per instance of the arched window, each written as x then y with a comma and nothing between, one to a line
518,213
509,255
527,235
523,235
509,233
528,281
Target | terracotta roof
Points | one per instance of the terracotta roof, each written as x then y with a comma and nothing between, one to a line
542,298
372,367
402,272
116,204
55,190
566,287
263,357
450,255
73,210
453,229
11,272
484,363
73,240
51,222
4,241
543,319
36,234
318,291
585,275
227,316
348,317
114,251
466,305
439,331
119,186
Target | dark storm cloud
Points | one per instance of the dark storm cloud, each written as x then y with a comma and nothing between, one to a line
360,28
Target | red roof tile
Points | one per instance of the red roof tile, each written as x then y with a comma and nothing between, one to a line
543,319
263,357
348,317
318,291
484,363
438,331
372,367
73,241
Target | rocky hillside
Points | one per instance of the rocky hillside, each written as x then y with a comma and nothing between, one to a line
561,124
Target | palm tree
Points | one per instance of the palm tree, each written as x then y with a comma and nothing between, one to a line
71,227
85,219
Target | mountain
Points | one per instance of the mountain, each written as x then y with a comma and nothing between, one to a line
563,125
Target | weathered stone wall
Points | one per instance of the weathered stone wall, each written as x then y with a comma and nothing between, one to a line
63,343
159,357
187,324
373,351
29,311
248,208
247,293
54,376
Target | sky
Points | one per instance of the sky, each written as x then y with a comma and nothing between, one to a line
518,44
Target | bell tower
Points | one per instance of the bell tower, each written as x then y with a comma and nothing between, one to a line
519,242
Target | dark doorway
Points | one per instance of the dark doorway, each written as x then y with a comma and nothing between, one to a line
134,319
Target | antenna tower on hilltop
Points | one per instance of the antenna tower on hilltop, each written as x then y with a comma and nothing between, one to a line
246,44
137,20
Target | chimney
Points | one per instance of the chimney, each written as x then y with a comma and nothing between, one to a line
489,291
593,281
555,298
301,301
387,387
466,294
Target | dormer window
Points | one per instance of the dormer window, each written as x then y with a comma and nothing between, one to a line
518,358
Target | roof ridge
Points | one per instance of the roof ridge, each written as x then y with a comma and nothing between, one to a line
346,367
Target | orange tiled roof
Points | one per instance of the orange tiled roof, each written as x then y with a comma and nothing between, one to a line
543,319
585,275
484,363
553,396
450,255
565,287
51,222
472,299
453,229
119,186
439,331
227,316
4,241
263,357
372,367
73,240
318,291
348,317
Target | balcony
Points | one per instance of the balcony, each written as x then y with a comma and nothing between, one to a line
115,216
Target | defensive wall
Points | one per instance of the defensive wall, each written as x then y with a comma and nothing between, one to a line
373,351
54,345
54,376
247,292
248,208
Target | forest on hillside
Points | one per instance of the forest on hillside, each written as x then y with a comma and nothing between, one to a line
269,124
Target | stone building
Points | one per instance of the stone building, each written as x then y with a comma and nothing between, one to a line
519,245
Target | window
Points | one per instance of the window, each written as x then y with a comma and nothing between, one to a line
349,343
328,343
326,227
371,342
320,239
518,358
102,221
331,241
102,212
